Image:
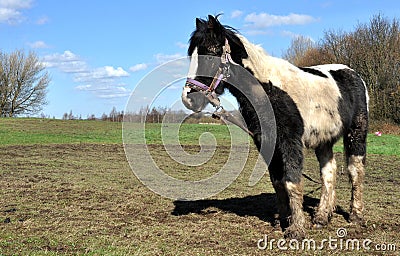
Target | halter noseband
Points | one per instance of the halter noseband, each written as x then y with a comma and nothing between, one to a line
222,73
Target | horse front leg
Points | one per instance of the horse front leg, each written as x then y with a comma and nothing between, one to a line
282,200
292,160
327,202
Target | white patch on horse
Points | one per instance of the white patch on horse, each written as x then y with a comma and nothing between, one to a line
333,67
185,99
329,67
316,97
328,175
366,94
194,64
356,171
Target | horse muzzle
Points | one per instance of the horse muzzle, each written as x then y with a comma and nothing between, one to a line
193,99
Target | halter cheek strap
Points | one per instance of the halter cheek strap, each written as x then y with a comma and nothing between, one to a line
226,56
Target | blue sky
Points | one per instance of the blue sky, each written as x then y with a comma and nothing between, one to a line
98,51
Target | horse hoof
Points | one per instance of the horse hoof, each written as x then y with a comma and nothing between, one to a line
320,221
357,220
295,232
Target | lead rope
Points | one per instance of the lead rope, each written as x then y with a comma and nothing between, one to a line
226,116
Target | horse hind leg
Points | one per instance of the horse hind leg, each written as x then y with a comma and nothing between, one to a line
355,148
356,173
327,202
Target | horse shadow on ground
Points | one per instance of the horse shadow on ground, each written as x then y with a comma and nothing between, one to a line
262,206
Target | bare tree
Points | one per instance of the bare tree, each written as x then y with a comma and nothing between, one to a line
23,84
299,46
373,50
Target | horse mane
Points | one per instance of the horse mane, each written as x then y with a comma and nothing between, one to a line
199,36
253,57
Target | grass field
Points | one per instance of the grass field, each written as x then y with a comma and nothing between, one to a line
67,189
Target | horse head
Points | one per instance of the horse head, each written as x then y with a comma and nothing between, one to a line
214,49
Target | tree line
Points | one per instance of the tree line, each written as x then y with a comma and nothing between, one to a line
146,115
372,49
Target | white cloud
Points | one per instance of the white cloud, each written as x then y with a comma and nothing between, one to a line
162,58
101,75
138,67
109,71
43,20
85,87
16,4
182,45
103,82
38,45
106,91
10,10
236,14
67,62
264,20
114,92
10,16
58,59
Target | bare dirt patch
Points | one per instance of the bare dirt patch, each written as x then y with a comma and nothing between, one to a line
83,198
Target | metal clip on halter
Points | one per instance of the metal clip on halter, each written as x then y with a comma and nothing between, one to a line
213,99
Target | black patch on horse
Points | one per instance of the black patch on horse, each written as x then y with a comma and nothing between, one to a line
289,124
353,110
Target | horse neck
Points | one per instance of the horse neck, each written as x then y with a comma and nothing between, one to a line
265,67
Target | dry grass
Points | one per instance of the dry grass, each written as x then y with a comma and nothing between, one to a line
84,199
384,127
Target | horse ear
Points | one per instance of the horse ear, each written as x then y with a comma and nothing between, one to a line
211,22
199,23
214,24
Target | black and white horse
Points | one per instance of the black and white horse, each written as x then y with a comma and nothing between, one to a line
313,108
